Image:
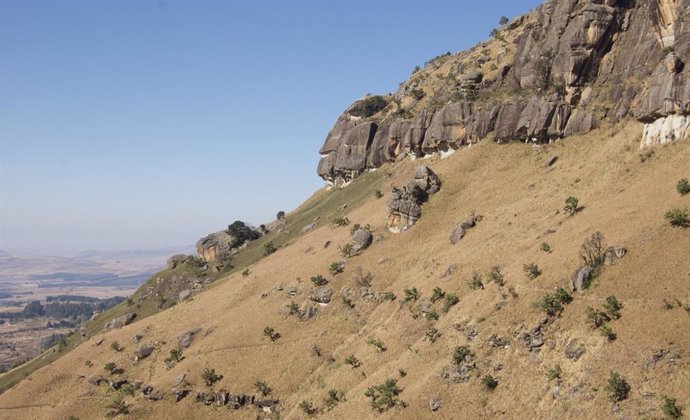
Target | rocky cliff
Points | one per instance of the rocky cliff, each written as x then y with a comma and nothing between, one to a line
559,70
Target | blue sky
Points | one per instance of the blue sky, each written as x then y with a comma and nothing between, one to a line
140,124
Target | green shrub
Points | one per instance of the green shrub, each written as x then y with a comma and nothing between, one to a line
319,280
450,301
334,397
262,387
341,221
378,194
503,21
596,318
210,377
683,186
127,389
377,343
307,408
174,357
617,387
384,396
293,308
432,334
432,315
545,247
336,267
646,155
613,307
271,333
269,248
476,282
117,407
671,409
571,205
552,303
110,367
411,294
496,276
241,232
460,353
607,332
368,106
489,382
116,346
437,294
353,361
554,373
531,270
346,250
347,302
678,217
388,296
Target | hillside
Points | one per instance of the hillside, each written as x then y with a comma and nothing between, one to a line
480,325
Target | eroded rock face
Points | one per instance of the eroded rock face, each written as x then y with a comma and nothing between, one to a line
405,203
211,246
574,64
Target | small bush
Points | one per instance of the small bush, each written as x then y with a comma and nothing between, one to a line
269,248
432,315
388,296
503,21
334,397
671,409
432,334
617,387
450,301
377,343
460,353
319,280
571,205
378,194
476,282
262,387
531,270
411,294
307,407
554,373
489,382
127,389
552,303
336,267
596,318
341,221
383,396
678,217
174,357
437,294
347,302
545,247
607,332
293,308
496,276
346,250
613,307
117,407
592,251
210,377
271,333
110,367
353,361
116,346
683,186
646,156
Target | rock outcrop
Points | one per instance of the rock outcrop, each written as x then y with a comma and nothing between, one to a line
405,203
120,322
571,64
215,244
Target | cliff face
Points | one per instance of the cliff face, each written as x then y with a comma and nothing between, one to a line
553,73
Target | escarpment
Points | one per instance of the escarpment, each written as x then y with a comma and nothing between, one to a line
558,71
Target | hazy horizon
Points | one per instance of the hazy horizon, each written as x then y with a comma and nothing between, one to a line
141,125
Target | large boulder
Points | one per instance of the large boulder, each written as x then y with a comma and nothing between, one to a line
581,278
120,322
185,340
361,239
321,295
405,203
215,244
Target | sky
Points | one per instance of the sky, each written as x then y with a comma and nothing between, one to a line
141,124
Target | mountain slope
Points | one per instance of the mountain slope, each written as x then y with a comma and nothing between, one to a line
520,199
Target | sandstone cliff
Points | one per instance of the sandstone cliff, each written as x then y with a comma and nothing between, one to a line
557,71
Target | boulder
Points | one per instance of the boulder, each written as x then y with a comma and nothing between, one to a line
461,229
321,295
361,239
185,340
613,254
175,260
184,295
435,403
215,244
120,322
405,203
580,278
143,352
179,380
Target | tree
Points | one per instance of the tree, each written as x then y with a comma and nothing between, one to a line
241,232
503,21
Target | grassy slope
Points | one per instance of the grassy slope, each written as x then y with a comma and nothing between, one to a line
520,200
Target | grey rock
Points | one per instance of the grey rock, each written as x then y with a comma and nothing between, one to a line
120,322
361,239
435,403
309,227
143,352
574,350
405,203
613,254
175,260
321,295
184,295
179,380
186,339
180,394
580,278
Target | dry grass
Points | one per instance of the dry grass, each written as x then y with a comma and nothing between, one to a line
520,200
